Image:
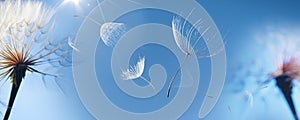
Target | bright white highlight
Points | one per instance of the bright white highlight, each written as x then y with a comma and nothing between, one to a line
76,2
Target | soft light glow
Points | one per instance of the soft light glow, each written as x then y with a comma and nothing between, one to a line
76,2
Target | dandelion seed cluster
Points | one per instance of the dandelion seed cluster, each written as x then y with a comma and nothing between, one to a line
25,45
25,27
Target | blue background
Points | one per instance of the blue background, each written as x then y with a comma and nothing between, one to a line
238,22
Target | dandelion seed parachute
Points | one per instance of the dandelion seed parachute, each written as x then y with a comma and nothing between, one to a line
191,42
135,72
110,32
72,45
249,97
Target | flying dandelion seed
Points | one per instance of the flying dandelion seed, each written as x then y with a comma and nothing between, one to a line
72,45
135,72
249,97
23,25
109,32
190,41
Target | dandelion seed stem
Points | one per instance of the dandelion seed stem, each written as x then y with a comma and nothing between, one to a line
29,46
42,73
176,73
42,62
60,88
153,87
53,51
13,94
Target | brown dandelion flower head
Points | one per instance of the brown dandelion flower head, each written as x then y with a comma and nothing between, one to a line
290,67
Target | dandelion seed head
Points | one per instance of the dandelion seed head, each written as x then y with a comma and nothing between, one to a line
110,32
25,27
290,68
134,72
24,38
282,48
275,54
25,15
